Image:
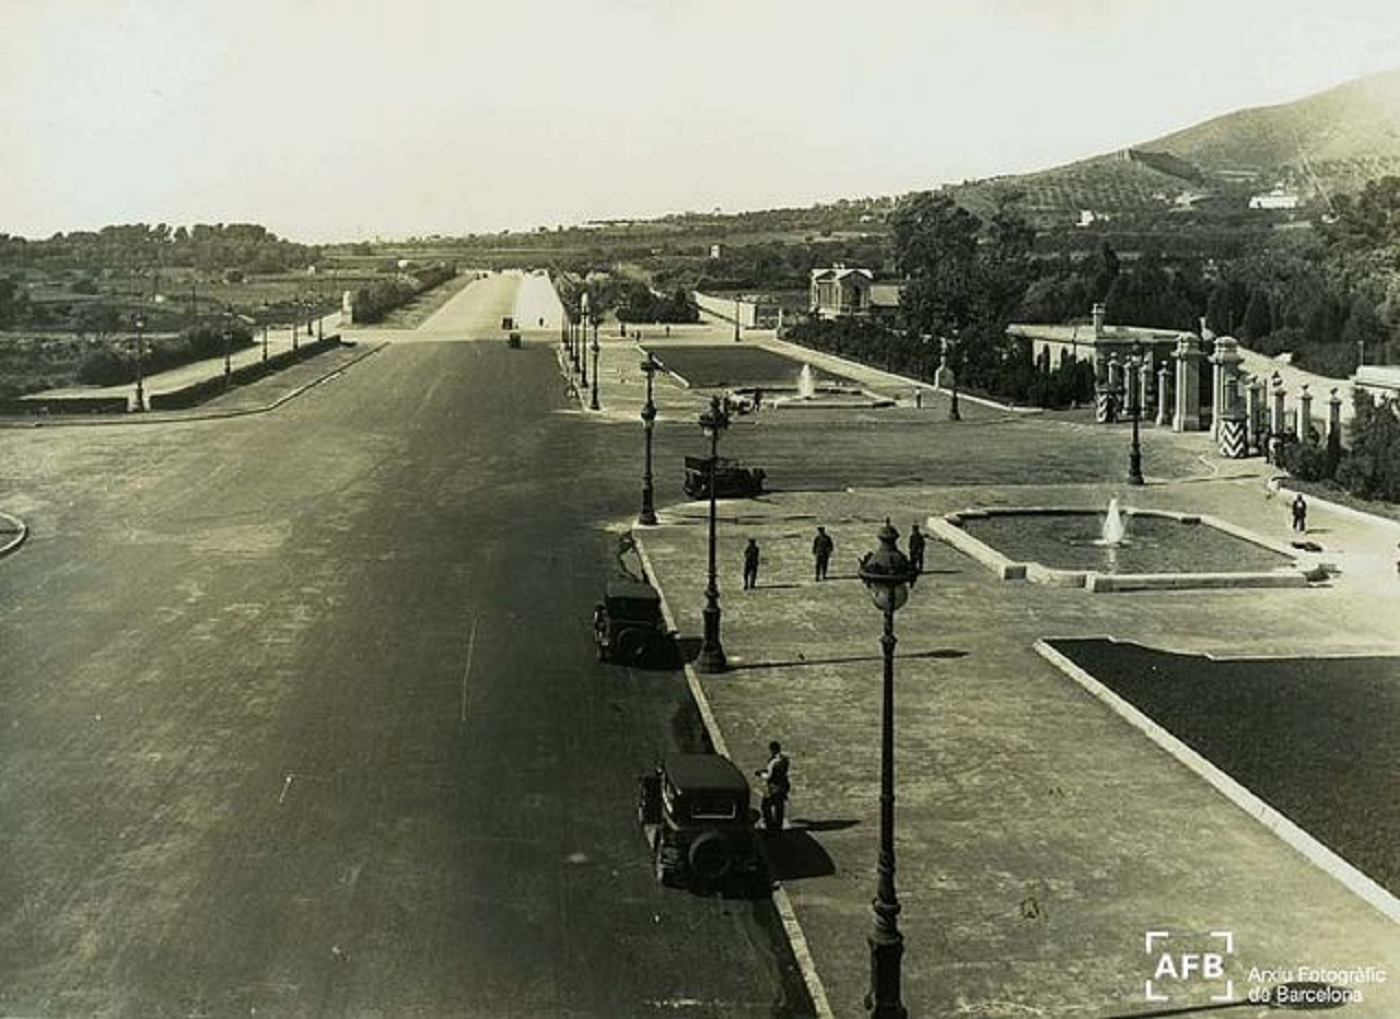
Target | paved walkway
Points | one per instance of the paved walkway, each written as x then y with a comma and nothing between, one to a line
1040,836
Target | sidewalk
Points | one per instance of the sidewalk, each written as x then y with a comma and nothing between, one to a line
278,341
1040,837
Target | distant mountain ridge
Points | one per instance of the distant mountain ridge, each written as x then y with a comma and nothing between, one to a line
1313,147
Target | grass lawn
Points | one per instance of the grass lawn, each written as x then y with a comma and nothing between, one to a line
1312,737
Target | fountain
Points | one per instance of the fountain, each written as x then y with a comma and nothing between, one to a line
1113,528
806,384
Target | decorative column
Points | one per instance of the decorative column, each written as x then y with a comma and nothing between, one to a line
1231,437
1305,428
1334,420
1226,363
1277,422
1187,417
1254,414
1164,394
1145,393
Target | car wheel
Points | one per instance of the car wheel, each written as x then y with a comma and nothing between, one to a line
710,857
631,646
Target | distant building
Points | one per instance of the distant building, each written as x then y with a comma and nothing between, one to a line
1378,380
1275,199
715,251
838,292
1088,217
1093,342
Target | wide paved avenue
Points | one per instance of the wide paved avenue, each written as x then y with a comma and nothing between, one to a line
300,717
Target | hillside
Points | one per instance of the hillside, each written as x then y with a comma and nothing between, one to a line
1314,147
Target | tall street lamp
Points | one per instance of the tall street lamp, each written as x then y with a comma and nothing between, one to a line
593,399
954,414
1135,412
228,356
736,320
648,514
888,576
713,422
140,354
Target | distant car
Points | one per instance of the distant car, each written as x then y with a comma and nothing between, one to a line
695,814
628,626
732,481
513,340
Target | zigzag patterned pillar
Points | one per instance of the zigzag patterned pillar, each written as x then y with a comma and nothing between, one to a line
1232,436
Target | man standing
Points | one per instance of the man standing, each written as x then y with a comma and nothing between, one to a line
776,787
1300,514
822,547
916,549
750,565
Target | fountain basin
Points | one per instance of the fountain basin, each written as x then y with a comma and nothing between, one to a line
1162,550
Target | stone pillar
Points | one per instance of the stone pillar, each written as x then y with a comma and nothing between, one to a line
1304,414
1232,435
1145,388
1187,417
1164,394
1226,362
1334,419
1278,423
1254,414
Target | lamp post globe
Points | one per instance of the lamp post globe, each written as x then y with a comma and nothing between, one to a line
647,516
713,422
888,576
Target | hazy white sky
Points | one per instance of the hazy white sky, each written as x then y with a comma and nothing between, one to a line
349,119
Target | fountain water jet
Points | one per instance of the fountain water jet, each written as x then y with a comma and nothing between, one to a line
806,384
1113,529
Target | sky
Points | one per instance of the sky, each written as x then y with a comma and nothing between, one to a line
392,118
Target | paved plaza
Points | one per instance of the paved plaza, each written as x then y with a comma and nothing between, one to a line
1040,836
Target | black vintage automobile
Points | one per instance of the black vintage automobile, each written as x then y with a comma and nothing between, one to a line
694,811
627,625
732,481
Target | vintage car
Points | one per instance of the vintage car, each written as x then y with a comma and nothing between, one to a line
731,480
628,626
694,811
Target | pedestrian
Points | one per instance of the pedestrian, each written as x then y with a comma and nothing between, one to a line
822,547
757,397
668,332
776,788
1300,514
916,549
750,565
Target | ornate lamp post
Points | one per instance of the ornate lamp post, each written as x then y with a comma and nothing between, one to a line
593,397
583,340
736,320
648,514
713,422
266,317
954,414
888,576
1135,412
140,354
228,356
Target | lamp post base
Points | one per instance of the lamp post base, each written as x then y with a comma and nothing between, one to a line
882,1000
711,658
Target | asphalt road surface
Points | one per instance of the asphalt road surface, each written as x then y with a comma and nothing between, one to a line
299,717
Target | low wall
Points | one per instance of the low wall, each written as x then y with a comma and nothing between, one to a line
66,405
206,389
724,307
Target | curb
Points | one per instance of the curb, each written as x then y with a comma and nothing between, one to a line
797,940
1314,851
13,532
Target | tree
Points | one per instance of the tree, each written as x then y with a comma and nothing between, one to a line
935,248
1258,319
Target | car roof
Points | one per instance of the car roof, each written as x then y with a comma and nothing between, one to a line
631,589
705,771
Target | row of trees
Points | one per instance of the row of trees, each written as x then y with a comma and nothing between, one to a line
205,246
374,301
108,366
1370,468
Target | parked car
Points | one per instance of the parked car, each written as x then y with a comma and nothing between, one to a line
732,481
628,625
695,813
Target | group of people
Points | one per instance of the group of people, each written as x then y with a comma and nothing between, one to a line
822,548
